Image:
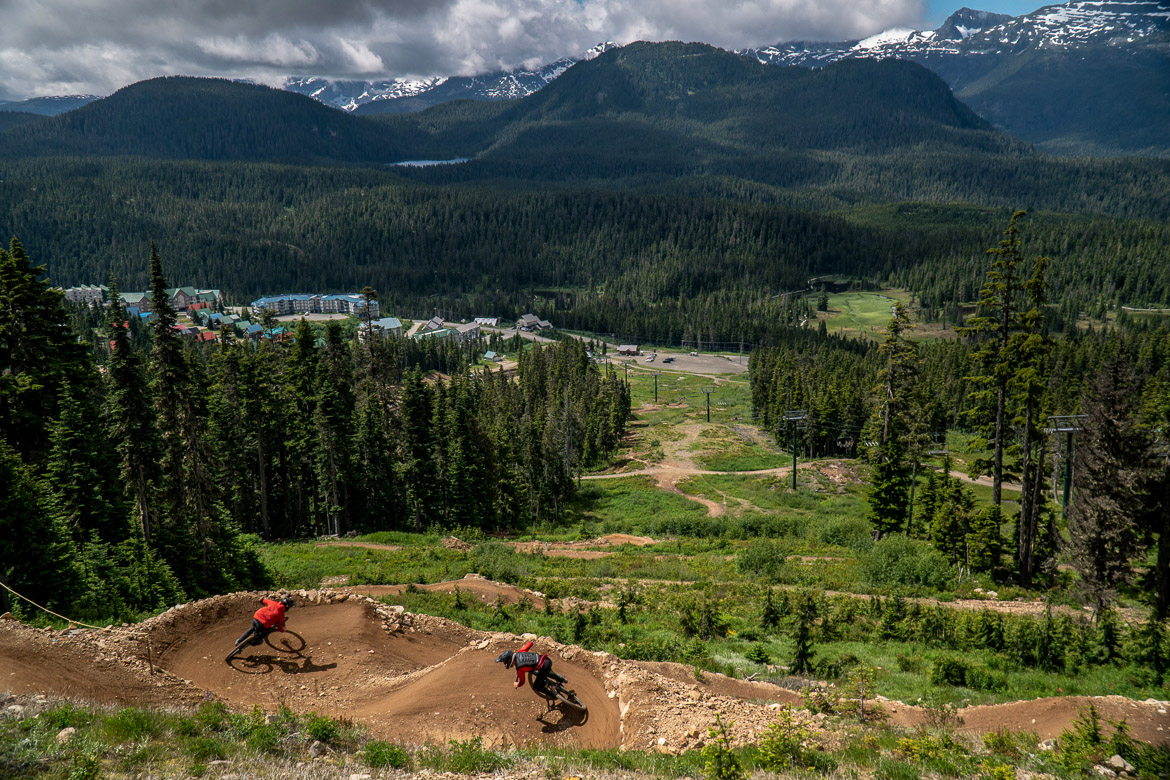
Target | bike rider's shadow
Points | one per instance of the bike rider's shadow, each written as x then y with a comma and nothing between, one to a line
291,662
568,719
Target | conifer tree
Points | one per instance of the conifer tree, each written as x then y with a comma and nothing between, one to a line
130,415
169,382
82,490
37,557
38,353
1114,475
993,326
890,491
802,627
1027,351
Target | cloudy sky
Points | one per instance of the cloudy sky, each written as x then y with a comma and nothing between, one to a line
61,47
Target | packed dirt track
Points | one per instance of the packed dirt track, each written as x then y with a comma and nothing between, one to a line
415,679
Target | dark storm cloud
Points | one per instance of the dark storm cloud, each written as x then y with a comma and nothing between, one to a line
73,46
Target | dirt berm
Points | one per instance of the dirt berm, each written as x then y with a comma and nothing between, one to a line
415,678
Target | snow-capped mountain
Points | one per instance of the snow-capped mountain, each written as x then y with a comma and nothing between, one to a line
47,106
980,34
1087,76
401,95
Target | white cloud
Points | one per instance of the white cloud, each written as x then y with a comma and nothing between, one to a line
72,46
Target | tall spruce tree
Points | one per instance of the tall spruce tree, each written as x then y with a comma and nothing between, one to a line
890,482
38,354
997,319
1114,468
37,557
129,415
1027,352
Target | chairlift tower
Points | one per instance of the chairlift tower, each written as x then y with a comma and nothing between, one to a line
655,374
798,419
707,391
1068,424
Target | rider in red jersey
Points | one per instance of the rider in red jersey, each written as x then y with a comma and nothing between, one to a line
527,662
267,619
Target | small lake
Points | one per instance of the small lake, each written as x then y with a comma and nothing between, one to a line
425,163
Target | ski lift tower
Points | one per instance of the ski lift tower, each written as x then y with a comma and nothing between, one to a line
1068,424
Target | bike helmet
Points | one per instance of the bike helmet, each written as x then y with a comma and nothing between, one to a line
505,658
287,602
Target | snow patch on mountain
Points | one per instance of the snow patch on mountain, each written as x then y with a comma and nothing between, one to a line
501,85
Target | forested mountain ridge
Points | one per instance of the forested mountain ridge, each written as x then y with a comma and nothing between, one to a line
209,119
682,104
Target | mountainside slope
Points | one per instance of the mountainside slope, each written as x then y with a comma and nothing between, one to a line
674,109
1084,76
213,119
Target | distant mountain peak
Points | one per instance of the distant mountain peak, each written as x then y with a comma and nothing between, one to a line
966,22
400,94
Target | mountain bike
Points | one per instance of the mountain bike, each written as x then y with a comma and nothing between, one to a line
557,692
253,638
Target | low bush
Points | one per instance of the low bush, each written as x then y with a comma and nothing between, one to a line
897,561
381,755
762,558
949,670
322,729
852,533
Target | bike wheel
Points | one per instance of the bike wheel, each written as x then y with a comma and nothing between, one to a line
569,699
239,646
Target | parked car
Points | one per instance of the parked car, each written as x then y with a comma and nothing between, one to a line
667,360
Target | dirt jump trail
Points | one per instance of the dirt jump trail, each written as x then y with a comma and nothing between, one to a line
582,549
365,545
415,678
472,586
74,666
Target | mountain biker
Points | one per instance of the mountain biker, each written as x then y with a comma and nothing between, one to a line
267,619
527,662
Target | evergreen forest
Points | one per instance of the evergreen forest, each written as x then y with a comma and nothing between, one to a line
147,469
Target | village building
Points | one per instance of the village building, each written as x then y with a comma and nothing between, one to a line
352,304
88,294
431,325
386,326
628,349
180,298
530,322
468,331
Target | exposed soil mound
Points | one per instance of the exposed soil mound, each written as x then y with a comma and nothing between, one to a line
722,685
472,586
414,678
470,695
582,549
96,666
1148,721
365,545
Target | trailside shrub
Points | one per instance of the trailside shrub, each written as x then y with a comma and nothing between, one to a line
898,561
322,729
853,533
380,755
762,558
470,758
949,670
132,725
719,762
758,653
498,562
